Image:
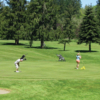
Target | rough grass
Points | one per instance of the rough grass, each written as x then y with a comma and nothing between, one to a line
43,77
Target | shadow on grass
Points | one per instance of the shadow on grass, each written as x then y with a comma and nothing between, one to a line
63,50
12,44
38,47
85,51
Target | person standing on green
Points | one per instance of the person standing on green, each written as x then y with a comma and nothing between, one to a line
78,57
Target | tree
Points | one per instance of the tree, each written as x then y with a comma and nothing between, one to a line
98,13
32,21
1,6
5,23
47,18
88,31
16,18
64,41
66,3
1,17
71,9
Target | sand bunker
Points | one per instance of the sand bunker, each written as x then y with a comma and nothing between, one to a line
4,91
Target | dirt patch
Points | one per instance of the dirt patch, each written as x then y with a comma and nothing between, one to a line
4,91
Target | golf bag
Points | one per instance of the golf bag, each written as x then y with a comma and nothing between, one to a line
61,58
23,57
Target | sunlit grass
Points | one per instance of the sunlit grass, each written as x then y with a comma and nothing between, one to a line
43,77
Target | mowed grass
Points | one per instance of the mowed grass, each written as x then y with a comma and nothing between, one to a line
43,77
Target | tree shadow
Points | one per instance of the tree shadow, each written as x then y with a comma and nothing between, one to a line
12,44
85,51
38,47
63,50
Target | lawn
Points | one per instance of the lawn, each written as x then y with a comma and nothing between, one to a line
43,77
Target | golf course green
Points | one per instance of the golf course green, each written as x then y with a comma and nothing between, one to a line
43,77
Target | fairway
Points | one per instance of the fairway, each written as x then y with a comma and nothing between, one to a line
43,77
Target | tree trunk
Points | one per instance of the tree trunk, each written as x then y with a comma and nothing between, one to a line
42,42
64,46
16,41
90,47
31,41
69,38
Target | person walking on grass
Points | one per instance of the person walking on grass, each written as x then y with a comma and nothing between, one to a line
17,64
78,57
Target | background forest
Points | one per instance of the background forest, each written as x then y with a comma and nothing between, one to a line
50,20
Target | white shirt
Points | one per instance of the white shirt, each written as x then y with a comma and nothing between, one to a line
17,61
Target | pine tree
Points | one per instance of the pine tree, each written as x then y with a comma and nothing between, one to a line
98,13
88,31
32,21
1,17
16,18
47,18
5,23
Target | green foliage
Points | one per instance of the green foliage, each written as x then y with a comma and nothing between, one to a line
76,4
70,10
32,21
64,41
6,29
46,13
98,14
14,20
88,30
82,12
38,19
41,19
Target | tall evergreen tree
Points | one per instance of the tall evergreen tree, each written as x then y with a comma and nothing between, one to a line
98,14
16,17
5,30
47,18
1,17
32,21
88,30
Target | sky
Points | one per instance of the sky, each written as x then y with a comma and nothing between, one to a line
88,2
84,2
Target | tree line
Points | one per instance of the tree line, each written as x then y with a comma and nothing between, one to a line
47,20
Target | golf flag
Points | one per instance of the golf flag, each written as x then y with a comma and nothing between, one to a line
83,67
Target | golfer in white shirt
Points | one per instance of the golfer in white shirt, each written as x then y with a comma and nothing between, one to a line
17,64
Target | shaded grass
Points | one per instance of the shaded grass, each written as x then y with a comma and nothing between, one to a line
43,77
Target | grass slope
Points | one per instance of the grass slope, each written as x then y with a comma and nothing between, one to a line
43,77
